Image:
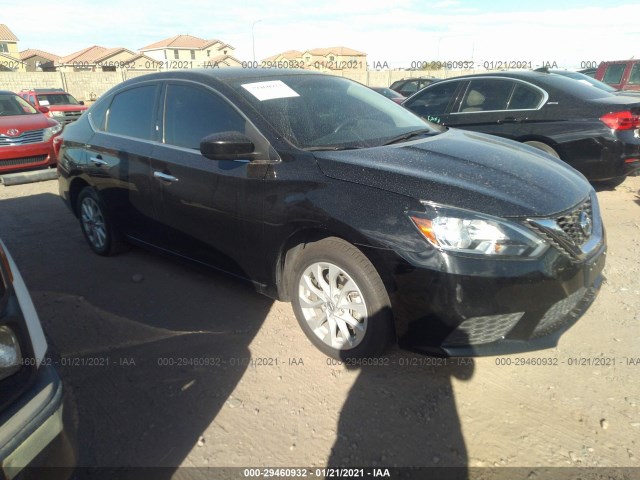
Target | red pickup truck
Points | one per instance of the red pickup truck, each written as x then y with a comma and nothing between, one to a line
62,106
620,74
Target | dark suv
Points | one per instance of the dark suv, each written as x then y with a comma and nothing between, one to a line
60,105
375,224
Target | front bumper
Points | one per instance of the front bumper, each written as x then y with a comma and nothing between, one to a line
473,307
23,157
34,439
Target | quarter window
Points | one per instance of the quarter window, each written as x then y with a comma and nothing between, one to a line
613,75
524,98
131,113
193,113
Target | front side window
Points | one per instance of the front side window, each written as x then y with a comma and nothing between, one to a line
614,73
487,94
434,100
131,112
192,113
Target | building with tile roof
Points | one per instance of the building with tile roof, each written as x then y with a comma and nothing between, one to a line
187,51
324,59
39,60
10,60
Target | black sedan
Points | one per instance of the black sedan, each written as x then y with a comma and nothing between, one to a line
375,224
594,131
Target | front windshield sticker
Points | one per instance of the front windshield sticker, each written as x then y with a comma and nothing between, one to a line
44,102
270,90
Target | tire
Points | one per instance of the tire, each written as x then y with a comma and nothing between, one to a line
98,230
609,184
544,147
347,277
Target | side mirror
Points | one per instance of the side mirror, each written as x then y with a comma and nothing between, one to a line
43,109
81,102
227,146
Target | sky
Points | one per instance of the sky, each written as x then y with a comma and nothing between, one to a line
568,33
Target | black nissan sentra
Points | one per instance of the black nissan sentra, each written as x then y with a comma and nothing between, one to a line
375,224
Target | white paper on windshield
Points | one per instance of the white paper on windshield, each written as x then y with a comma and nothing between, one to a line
270,90
44,102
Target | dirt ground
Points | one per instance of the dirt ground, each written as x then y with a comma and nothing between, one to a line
169,365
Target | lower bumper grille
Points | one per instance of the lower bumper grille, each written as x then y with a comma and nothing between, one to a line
478,330
564,311
12,162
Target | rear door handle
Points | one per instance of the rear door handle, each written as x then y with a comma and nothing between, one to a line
165,177
98,161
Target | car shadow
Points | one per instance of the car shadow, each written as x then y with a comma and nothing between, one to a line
149,349
401,412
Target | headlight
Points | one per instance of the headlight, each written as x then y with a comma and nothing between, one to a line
10,355
51,131
465,231
57,113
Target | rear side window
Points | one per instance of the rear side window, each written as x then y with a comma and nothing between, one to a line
614,73
131,112
192,113
486,95
525,98
434,100
634,78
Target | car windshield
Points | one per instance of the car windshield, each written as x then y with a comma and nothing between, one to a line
11,104
586,79
325,112
387,92
56,99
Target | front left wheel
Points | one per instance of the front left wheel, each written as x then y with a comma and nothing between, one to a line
340,301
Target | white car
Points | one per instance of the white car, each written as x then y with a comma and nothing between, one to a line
32,432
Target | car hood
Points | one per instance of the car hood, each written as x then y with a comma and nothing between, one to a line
465,170
23,123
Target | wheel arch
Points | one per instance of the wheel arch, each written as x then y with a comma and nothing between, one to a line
77,185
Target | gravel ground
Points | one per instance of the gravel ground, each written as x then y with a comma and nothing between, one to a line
167,365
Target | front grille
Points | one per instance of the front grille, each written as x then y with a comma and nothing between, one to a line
23,161
30,136
571,223
571,231
478,330
71,116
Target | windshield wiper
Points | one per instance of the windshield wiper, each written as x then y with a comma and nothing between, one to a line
330,149
408,135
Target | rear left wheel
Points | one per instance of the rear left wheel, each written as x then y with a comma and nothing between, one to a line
98,230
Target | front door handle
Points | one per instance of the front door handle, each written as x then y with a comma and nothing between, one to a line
165,177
